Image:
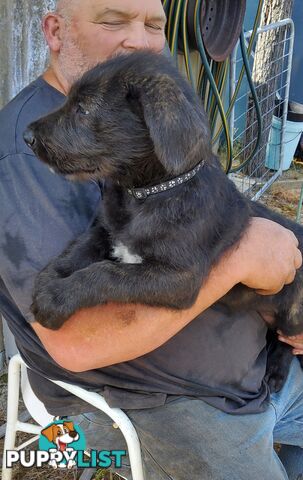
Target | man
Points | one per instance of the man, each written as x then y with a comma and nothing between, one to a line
193,384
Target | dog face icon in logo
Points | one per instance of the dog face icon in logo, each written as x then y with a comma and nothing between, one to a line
61,434
63,439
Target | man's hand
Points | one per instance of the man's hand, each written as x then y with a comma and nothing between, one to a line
296,341
268,256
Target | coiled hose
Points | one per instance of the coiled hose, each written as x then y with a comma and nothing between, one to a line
212,78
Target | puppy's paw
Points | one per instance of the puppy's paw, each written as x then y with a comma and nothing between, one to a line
53,464
50,305
275,378
278,365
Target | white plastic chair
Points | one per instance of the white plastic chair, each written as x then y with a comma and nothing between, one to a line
18,368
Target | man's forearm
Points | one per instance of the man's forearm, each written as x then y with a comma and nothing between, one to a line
114,333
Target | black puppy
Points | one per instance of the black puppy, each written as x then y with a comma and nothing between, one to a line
169,211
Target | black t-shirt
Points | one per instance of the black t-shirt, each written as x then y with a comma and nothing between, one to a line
217,357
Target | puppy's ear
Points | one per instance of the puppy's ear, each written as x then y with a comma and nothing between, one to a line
69,425
49,433
176,121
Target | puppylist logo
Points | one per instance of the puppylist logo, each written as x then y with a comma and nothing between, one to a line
62,445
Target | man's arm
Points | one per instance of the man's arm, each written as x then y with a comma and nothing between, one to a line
114,333
266,258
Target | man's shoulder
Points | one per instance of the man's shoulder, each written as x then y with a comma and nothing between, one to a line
34,101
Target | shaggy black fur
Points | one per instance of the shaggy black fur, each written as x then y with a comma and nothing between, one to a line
135,121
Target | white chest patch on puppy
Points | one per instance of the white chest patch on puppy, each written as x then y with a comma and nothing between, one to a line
122,253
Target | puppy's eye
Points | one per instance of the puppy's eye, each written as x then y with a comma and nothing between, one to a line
82,110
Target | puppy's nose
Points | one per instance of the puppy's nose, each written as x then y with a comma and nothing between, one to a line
29,137
73,433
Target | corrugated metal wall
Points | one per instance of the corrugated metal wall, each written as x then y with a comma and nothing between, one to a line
23,52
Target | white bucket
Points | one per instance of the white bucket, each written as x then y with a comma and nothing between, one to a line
293,132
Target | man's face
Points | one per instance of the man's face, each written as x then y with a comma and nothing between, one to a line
101,29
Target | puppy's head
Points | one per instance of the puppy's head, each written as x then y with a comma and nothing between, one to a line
61,434
133,119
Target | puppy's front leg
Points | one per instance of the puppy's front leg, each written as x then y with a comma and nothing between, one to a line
49,297
155,285
92,246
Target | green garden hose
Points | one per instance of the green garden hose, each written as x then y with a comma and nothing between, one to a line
212,78
212,82
256,102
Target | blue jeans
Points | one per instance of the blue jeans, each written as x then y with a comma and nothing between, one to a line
189,439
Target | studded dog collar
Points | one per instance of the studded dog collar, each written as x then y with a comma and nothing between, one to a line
144,192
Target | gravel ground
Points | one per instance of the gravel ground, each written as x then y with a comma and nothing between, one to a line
281,197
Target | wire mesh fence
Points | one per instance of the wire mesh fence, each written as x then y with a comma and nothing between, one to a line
270,63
